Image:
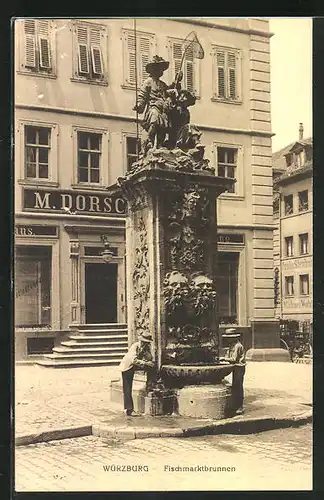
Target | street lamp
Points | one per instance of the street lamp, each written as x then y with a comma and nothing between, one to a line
108,253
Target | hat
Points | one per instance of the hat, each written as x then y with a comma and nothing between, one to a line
157,62
231,333
191,99
146,337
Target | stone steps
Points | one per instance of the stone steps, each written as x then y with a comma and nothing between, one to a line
89,345
80,349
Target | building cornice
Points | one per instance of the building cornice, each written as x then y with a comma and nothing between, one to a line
86,218
210,24
128,118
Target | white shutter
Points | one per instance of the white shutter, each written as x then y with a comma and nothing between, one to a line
130,58
44,44
231,67
220,67
96,55
144,56
176,59
83,54
30,43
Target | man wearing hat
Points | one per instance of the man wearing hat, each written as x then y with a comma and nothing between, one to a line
154,100
139,356
236,356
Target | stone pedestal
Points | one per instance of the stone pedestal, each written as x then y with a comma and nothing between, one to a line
266,342
204,401
139,392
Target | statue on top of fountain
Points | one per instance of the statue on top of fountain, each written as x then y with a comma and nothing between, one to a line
168,135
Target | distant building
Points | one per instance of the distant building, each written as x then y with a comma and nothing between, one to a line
293,236
75,134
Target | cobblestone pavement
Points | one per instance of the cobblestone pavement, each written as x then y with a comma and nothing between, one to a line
48,398
273,460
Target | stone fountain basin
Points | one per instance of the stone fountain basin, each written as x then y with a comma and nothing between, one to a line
178,376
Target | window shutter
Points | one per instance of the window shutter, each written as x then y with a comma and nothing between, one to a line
190,76
44,45
144,56
220,63
176,57
96,51
30,43
130,58
83,55
231,65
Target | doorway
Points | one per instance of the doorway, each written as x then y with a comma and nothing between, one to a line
100,293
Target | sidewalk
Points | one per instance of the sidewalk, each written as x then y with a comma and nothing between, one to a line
49,399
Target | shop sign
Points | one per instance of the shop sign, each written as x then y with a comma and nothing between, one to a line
73,202
35,230
230,238
301,303
300,263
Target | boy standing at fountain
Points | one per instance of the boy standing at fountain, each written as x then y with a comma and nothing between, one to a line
236,356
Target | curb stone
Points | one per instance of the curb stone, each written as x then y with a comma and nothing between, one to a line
246,425
54,434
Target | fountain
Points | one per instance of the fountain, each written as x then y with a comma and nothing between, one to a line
171,252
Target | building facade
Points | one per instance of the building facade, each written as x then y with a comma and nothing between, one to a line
293,235
75,134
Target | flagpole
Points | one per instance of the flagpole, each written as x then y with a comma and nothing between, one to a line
136,91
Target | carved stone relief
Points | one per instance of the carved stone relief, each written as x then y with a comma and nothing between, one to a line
141,279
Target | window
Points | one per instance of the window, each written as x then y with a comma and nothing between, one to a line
136,57
289,246
303,244
133,146
304,284
300,159
89,53
189,67
227,163
37,46
276,208
289,158
226,74
33,286
89,157
303,201
289,282
288,202
227,287
37,152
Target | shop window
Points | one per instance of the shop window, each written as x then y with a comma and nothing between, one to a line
288,202
303,244
227,164
303,201
90,53
289,286
40,345
227,287
37,152
33,286
289,246
133,146
304,284
136,57
89,157
226,75
38,46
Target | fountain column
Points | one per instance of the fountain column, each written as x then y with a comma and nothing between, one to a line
171,249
